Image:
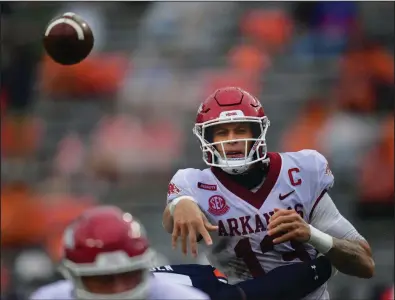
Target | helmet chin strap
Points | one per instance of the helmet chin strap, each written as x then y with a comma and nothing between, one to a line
237,169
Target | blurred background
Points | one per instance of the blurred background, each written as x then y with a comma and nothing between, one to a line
115,128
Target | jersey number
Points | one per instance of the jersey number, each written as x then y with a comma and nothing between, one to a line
244,251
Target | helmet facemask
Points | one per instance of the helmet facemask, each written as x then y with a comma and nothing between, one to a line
233,165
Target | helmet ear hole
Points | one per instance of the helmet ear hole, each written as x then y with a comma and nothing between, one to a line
209,134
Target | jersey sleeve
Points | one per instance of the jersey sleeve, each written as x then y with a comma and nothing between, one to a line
320,177
325,178
321,180
179,186
327,218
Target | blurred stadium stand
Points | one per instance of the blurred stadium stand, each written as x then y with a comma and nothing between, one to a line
114,128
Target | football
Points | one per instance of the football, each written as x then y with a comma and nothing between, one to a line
68,39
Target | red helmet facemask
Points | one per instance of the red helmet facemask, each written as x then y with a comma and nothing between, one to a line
232,105
105,241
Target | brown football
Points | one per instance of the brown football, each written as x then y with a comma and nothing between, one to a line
68,39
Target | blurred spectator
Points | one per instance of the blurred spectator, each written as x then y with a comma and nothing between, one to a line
70,157
175,43
184,27
324,27
29,217
20,133
270,30
61,206
365,85
21,216
19,58
344,138
214,79
338,135
248,58
18,78
163,90
98,75
125,145
21,136
366,82
376,182
246,64
304,131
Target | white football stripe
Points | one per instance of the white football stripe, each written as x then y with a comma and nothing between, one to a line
72,23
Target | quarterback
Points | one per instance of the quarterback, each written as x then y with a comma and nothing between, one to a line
263,209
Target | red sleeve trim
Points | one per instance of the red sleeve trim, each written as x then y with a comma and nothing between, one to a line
316,202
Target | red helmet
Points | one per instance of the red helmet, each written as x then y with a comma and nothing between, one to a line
106,241
228,105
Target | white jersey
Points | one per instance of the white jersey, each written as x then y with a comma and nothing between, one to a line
241,248
159,290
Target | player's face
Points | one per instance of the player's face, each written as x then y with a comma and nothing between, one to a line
112,284
233,131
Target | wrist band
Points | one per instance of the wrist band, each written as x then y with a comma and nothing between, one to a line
173,203
321,241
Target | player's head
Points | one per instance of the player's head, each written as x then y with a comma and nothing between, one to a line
106,255
231,127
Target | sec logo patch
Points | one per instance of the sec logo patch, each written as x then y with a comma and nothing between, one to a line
217,205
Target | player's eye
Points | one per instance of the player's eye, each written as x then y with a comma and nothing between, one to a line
221,133
242,130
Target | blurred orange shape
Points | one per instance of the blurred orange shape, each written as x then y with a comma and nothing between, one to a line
248,58
100,74
20,136
272,27
23,220
379,161
303,133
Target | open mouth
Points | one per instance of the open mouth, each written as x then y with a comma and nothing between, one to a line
234,154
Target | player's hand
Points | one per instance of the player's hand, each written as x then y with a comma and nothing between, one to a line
189,223
288,225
